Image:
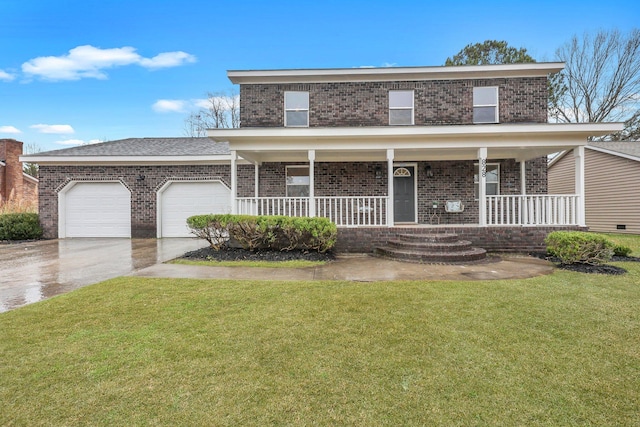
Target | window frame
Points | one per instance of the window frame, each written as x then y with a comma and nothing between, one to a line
496,105
286,176
296,110
412,107
476,184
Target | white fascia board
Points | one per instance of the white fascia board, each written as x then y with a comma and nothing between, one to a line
30,178
613,153
537,69
126,160
385,132
557,158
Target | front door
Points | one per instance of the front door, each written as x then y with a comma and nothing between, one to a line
404,203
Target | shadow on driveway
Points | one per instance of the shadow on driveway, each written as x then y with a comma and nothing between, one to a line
33,271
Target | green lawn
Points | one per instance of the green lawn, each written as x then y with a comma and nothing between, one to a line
562,349
630,240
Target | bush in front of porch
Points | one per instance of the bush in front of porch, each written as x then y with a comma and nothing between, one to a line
578,247
272,232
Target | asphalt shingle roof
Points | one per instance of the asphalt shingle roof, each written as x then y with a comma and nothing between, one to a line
631,148
145,147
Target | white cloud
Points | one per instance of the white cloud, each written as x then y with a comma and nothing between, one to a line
9,129
169,106
57,129
6,76
167,59
78,142
91,62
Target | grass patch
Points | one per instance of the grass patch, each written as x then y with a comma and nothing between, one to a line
630,240
561,349
264,264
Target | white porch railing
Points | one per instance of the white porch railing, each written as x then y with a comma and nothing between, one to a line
353,211
532,210
287,206
343,211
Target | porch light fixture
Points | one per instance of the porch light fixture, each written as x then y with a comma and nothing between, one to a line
378,172
140,177
428,172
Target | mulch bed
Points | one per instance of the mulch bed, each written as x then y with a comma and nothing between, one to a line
588,268
239,254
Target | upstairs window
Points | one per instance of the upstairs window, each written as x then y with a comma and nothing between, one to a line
493,179
485,105
400,107
296,109
298,181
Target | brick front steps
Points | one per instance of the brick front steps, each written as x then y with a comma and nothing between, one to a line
430,248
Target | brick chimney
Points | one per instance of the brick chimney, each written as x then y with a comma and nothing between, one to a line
11,178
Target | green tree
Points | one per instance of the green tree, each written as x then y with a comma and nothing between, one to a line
489,52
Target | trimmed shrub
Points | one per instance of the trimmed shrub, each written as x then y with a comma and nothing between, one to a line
265,232
578,247
620,250
20,226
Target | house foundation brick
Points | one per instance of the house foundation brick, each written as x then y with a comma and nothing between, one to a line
517,239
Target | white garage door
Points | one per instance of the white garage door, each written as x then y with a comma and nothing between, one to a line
97,209
180,200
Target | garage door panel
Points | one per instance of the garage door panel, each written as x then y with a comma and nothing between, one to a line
180,200
98,209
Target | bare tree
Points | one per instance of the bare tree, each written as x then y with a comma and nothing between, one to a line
31,168
601,79
219,110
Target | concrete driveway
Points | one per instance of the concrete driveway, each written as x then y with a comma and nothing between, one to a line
31,272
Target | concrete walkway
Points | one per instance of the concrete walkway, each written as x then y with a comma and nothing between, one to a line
33,271
363,268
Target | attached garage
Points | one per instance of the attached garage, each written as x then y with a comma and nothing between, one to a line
95,209
179,200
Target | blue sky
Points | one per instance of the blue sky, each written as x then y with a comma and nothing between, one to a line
76,72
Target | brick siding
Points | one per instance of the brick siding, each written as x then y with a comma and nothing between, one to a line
452,180
11,178
143,192
437,102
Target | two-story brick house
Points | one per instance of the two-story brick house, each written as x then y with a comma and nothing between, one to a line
374,149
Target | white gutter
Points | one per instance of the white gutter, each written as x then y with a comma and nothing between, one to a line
127,160
318,75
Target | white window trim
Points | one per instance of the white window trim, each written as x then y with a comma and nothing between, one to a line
487,182
296,109
496,105
412,108
286,174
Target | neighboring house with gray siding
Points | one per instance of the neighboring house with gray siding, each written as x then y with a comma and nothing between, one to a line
379,151
612,184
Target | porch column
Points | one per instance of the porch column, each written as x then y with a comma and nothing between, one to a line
312,197
482,185
523,177
256,183
234,182
390,156
578,154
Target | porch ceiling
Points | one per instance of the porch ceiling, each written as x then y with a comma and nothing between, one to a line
411,143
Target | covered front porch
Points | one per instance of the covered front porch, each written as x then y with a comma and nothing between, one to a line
483,176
